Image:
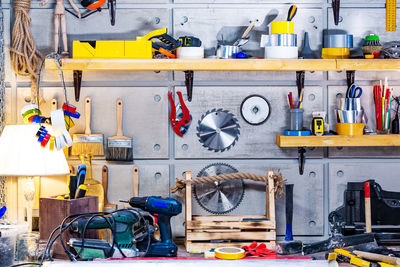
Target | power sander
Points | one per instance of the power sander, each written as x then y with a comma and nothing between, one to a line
163,209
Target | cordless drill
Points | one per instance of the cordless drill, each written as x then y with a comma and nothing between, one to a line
163,209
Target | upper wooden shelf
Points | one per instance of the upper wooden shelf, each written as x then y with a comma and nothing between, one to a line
338,140
226,64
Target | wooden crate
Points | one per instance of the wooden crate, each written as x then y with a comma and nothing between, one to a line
201,230
53,211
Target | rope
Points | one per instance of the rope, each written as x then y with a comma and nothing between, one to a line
180,184
25,58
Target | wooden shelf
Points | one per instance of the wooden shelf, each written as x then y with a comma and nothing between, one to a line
338,140
225,64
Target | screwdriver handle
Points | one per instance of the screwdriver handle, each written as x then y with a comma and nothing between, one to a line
292,12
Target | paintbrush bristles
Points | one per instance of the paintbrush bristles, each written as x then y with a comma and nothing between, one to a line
96,149
119,154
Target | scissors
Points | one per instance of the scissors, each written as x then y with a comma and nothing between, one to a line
354,92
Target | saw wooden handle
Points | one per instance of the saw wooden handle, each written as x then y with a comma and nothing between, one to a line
53,104
135,181
88,107
119,118
377,257
104,181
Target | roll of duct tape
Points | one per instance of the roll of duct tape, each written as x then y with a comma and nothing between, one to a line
229,253
279,40
190,52
281,52
282,27
57,119
29,107
338,41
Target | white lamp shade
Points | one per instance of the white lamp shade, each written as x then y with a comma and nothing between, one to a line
22,155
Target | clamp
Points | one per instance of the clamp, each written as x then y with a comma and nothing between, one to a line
182,122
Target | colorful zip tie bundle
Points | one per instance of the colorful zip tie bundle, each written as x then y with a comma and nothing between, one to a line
60,120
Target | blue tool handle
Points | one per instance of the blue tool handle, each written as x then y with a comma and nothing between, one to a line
2,211
289,233
165,227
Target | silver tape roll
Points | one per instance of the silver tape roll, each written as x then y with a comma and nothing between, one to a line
279,40
338,41
190,52
227,51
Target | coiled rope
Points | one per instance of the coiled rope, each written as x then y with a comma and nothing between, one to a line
25,58
180,184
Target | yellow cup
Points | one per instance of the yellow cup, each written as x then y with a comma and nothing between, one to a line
282,27
350,129
335,53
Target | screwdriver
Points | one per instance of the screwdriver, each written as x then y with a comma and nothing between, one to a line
292,12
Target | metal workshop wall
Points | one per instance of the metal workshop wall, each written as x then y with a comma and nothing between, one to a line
162,156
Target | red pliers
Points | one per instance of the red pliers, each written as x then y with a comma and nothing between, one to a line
258,250
184,120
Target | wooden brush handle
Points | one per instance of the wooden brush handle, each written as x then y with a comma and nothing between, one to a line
135,181
377,257
53,104
119,118
88,107
104,181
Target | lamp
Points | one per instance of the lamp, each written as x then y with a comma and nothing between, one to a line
22,155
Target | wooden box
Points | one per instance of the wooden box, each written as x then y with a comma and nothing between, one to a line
53,211
203,230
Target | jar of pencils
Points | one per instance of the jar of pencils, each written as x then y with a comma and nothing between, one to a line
296,119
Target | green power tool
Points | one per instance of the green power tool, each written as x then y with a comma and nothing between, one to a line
122,224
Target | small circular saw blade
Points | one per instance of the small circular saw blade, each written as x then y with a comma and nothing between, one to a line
219,197
218,130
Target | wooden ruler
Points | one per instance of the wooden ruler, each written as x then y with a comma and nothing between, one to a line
390,15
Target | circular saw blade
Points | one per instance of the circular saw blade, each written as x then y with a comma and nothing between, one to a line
218,130
219,197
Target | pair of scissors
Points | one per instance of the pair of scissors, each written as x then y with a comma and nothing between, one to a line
354,92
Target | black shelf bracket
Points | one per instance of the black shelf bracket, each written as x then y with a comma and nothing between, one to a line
350,77
300,75
77,84
189,84
301,159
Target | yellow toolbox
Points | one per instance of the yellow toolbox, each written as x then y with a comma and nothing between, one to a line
139,48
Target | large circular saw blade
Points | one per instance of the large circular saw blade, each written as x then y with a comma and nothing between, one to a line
218,130
219,197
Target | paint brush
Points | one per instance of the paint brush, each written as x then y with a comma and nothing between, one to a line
119,147
88,143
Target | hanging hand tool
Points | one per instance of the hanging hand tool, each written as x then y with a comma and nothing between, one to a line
336,9
292,12
178,123
104,182
94,6
367,196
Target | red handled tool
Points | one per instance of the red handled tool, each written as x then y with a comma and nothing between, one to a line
178,124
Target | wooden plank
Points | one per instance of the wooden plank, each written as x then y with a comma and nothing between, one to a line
270,235
231,225
228,218
195,247
194,64
270,192
368,64
188,204
338,140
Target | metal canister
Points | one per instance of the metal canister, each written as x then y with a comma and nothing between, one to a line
279,40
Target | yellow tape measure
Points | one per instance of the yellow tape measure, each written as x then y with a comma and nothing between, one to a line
390,15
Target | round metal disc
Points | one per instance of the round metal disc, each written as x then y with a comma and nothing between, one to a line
219,197
218,130
255,109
